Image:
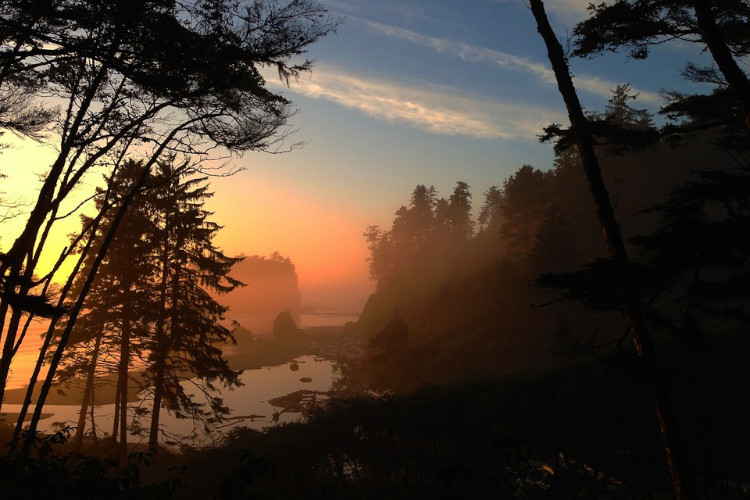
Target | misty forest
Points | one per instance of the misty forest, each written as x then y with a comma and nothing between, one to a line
577,330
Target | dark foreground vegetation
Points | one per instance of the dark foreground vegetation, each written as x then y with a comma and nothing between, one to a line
583,431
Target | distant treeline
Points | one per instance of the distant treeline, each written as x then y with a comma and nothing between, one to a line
458,296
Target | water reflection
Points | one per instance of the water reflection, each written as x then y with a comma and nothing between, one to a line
249,403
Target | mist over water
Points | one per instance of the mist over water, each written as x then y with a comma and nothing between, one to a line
249,403
327,318
26,358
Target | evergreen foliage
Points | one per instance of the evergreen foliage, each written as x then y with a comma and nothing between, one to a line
179,77
153,303
719,26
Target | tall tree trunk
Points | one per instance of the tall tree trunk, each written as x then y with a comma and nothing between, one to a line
88,393
722,55
153,436
122,383
51,328
116,415
161,338
671,441
9,346
91,413
167,343
78,305
12,270
23,246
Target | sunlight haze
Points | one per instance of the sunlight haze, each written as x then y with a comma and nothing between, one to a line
402,94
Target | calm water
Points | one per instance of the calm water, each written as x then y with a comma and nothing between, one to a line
249,403
24,361
249,400
327,318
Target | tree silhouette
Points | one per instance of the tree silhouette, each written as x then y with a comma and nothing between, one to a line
461,225
421,216
150,301
555,248
185,344
722,26
618,255
524,201
119,308
700,250
179,77
490,213
620,127
380,259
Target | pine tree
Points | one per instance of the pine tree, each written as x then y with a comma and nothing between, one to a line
555,248
381,259
421,216
152,303
188,333
459,212
118,309
525,198
722,26
489,215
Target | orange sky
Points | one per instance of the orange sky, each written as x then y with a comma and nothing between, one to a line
259,215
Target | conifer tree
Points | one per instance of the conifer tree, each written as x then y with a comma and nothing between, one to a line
619,259
181,76
152,303
118,310
524,201
722,26
555,248
489,215
459,212
421,216
185,344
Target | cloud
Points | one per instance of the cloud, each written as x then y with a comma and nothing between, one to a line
567,11
503,60
434,109
570,11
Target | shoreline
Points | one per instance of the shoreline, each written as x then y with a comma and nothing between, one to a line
247,354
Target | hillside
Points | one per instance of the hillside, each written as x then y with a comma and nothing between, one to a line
474,308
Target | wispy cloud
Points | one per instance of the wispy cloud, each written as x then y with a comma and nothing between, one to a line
437,110
481,55
567,11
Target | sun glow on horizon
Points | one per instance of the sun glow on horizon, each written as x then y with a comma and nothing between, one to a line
259,216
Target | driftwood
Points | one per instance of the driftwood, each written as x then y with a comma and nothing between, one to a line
297,402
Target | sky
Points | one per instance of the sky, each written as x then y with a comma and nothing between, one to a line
405,92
